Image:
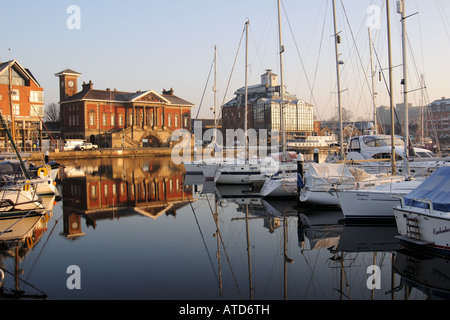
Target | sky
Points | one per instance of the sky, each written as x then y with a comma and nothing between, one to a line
154,45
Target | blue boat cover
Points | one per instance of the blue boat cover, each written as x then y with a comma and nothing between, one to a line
436,189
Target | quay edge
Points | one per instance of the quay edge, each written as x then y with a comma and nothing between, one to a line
102,153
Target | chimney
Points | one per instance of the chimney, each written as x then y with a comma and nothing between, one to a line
168,92
87,86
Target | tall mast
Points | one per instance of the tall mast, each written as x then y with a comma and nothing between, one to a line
402,9
391,96
215,94
375,123
283,129
336,42
11,108
246,90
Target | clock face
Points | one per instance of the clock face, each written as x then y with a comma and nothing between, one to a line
70,83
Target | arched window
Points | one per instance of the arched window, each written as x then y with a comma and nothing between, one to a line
92,118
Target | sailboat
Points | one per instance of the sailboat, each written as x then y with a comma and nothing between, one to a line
253,170
195,166
378,203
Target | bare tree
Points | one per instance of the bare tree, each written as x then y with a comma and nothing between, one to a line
347,116
51,113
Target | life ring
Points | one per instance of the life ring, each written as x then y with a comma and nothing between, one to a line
26,186
43,170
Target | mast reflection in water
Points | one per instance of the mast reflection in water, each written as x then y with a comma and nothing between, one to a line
142,229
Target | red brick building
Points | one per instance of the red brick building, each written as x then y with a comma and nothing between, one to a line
112,118
21,101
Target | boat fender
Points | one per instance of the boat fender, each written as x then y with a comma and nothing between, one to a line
26,186
2,277
30,242
45,218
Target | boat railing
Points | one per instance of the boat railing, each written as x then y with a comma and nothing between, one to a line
18,187
427,201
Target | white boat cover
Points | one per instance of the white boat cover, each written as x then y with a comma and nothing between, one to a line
435,189
321,175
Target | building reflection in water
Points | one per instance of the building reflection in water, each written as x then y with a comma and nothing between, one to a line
116,188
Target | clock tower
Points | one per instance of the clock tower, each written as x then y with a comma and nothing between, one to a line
67,83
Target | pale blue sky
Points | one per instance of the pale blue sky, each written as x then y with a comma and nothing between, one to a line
141,45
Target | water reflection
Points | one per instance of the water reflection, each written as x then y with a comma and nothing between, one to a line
115,188
18,237
173,236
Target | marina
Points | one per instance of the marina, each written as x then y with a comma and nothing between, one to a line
172,236
305,182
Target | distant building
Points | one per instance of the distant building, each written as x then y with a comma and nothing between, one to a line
263,109
112,118
19,86
437,119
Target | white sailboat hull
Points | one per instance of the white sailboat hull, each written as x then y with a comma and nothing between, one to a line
375,203
249,173
17,227
322,197
280,186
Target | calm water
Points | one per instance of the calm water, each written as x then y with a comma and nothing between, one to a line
140,229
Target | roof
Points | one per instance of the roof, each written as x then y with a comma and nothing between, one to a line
122,96
67,72
24,72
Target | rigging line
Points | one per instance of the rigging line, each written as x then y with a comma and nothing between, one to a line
40,119
24,216
298,52
442,18
204,90
202,236
421,40
232,68
356,47
24,281
44,245
312,275
231,74
225,249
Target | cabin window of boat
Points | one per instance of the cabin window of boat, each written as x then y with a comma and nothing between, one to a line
354,145
373,142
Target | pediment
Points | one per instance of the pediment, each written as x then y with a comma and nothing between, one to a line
150,96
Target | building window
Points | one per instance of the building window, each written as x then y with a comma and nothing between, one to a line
94,192
176,121
91,118
104,119
169,121
121,120
16,110
113,119
37,96
15,95
186,119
